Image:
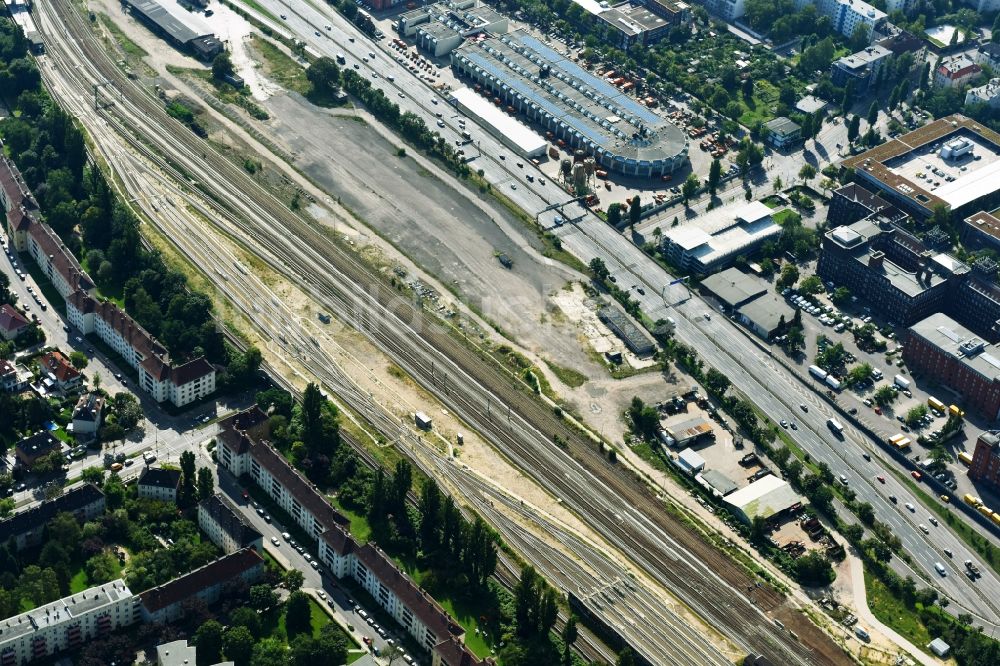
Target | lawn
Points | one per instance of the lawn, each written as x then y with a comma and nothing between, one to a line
782,215
893,613
281,68
568,376
318,617
467,615
127,45
360,529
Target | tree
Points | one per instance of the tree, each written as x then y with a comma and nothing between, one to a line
222,66
807,172
208,638
237,643
625,658
93,475
78,359
811,285
714,175
323,74
599,269
789,276
247,617
634,212
873,114
853,128
860,374
884,396
925,72
747,89
615,214
206,486
188,478
298,614
262,597
64,529
127,410
690,188
915,414
645,419
848,99
841,296
293,579
716,383
569,636
777,183
813,569
758,529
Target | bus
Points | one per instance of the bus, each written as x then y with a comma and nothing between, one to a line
972,500
902,444
936,404
955,411
965,458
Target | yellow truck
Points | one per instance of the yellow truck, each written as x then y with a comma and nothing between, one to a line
965,457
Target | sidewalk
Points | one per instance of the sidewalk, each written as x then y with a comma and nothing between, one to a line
872,624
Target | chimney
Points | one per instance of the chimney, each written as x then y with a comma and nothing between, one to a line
876,259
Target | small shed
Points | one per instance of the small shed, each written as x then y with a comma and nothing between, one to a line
939,647
690,462
719,482
423,421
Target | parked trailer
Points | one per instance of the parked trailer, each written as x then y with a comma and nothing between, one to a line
901,381
817,372
833,382
422,420
835,426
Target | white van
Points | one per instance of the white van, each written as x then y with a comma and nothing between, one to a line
940,569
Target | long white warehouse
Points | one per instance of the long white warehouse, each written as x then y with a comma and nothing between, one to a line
515,135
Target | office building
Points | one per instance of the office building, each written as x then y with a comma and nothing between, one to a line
715,239
441,27
944,351
850,203
626,25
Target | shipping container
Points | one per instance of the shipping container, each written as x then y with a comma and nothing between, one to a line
901,381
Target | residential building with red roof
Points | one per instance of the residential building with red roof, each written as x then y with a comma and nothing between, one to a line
58,373
12,322
955,71
244,449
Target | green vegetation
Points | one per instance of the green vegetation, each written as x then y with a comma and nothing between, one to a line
282,68
568,376
127,46
892,612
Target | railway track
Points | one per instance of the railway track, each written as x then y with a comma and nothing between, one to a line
615,503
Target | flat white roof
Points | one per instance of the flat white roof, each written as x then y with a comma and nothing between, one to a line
753,212
689,237
764,497
592,6
980,183
528,141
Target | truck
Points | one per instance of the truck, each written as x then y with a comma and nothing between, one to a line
954,410
901,381
972,569
835,427
833,382
972,500
900,441
817,372
965,458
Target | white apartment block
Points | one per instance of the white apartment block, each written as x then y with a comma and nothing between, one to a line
243,450
728,10
985,94
67,623
179,384
847,15
160,484
226,526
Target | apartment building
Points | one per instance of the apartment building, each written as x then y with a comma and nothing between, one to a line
30,449
56,261
226,526
67,624
861,68
19,206
986,460
243,449
955,71
159,484
165,603
12,380
179,384
988,94
946,352
727,10
846,15
87,415
26,528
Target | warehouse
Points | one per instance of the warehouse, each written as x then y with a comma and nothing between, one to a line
514,134
733,288
765,498
688,432
179,28
584,111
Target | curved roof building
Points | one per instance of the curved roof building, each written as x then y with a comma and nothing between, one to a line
587,112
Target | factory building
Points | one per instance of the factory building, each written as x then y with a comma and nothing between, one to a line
517,136
578,108
179,27
443,26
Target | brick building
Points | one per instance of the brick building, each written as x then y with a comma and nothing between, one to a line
944,351
986,460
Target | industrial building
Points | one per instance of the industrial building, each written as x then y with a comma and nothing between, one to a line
917,173
689,462
861,68
67,623
634,337
514,134
687,432
904,280
765,315
578,108
766,498
733,288
944,351
720,236
441,27
986,460
981,230
178,26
